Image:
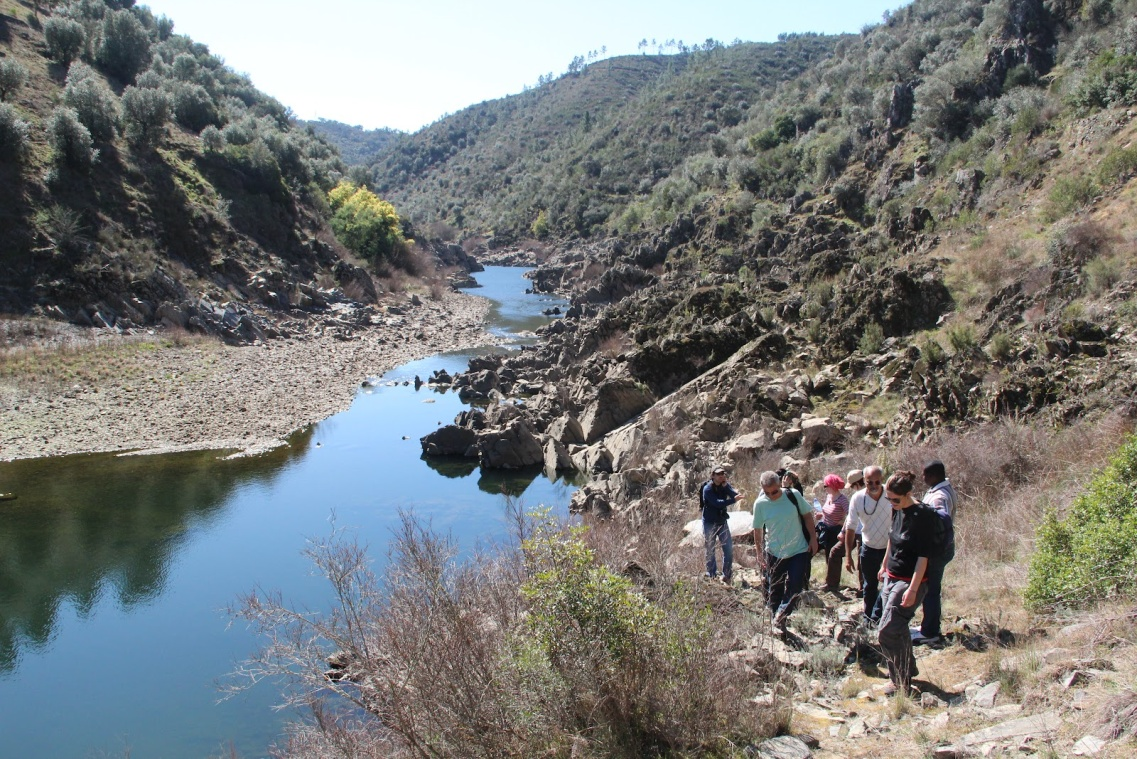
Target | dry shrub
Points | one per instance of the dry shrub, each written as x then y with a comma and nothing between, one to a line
439,658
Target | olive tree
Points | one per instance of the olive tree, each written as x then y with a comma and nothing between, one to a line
93,101
65,38
13,133
124,49
13,76
71,142
145,113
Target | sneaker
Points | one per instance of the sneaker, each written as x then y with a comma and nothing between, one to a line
919,639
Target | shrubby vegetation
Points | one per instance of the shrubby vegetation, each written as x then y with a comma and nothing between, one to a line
71,142
367,225
13,134
66,39
1087,553
93,101
12,77
441,658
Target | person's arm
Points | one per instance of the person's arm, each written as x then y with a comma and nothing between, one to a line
759,545
884,561
913,591
850,542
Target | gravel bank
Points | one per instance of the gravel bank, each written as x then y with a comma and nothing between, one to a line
203,394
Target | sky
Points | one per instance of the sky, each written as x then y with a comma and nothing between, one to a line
403,65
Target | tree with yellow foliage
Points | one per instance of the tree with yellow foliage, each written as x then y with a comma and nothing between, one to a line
368,225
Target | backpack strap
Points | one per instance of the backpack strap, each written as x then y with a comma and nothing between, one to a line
801,517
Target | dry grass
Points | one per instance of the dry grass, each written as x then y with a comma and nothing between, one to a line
51,356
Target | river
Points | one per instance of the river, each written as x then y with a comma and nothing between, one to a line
116,571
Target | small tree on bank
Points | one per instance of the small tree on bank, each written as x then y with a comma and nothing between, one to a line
368,225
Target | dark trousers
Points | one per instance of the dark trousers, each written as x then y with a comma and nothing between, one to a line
784,581
933,605
830,540
871,559
895,640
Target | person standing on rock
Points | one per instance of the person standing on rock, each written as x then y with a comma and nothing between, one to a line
871,516
829,527
912,539
941,496
716,497
783,525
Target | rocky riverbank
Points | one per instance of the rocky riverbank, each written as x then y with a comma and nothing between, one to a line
66,390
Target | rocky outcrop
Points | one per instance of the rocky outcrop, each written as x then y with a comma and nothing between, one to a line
616,402
513,446
450,440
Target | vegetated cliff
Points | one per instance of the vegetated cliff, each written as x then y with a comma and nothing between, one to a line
966,252
143,182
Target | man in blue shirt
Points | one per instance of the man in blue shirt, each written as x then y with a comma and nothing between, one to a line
785,539
717,497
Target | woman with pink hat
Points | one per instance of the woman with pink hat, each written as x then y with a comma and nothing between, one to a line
829,529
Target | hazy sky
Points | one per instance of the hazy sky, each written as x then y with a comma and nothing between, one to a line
403,65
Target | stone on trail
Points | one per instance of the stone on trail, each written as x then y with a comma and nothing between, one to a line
1088,746
984,698
784,747
1034,726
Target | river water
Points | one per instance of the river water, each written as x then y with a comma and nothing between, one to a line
116,571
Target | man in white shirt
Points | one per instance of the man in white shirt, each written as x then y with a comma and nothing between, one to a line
941,496
871,514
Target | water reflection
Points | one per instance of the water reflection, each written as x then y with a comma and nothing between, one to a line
84,526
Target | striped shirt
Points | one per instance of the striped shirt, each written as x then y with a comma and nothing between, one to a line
835,509
872,516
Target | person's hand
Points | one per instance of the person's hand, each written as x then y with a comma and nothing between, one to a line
880,573
813,544
849,564
910,596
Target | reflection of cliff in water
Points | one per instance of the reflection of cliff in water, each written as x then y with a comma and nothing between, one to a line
86,525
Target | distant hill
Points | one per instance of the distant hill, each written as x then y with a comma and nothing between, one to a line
585,145
357,146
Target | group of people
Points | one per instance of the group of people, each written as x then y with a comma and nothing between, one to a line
902,547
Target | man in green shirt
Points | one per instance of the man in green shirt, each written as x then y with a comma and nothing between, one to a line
785,539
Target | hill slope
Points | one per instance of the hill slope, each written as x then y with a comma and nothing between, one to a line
143,182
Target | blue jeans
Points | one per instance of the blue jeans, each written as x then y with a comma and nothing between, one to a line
871,559
784,580
933,608
718,533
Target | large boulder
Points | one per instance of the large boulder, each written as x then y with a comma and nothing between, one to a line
557,458
513,446
450,440
592,459
741,524
749,445
819,433
616,401
567,430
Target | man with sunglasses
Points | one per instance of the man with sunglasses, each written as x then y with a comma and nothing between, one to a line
783,525
717,497
872,514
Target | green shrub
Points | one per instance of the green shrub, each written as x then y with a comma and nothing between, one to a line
871,339
193,108
932,352
1110,80
70,141
212,139
145,113
1118,165
13,133
1101,274
961,338
13,76
1069,194
93,101
124,49
1090,554
1001,346
540,225
365,223
65,38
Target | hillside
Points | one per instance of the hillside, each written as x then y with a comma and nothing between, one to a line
581,147
357,146
143,182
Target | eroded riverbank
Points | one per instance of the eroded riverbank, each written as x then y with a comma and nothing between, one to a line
165,395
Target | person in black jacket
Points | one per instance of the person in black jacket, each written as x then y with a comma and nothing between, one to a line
717,497
911,541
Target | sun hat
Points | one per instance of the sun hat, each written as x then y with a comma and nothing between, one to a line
855,476
834,481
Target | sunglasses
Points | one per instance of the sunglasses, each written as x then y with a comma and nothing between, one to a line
895,500
874,482
773,493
